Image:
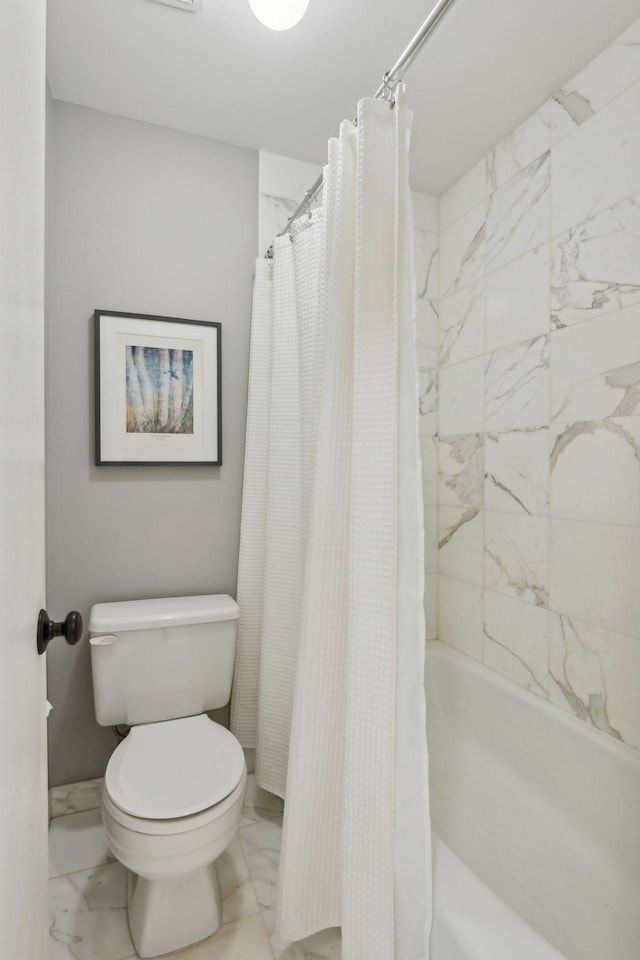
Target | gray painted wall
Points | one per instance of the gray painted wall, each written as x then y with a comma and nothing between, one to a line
145,219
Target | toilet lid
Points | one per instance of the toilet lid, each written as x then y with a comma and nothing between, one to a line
174,769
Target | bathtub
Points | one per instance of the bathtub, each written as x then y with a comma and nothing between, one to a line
536,819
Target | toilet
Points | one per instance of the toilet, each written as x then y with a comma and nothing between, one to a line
174,787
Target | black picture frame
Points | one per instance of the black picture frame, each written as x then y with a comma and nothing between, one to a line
100,319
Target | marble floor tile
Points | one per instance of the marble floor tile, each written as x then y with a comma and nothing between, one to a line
517,386
595,368
460,616
516,465
236,890
75,797
595,471
516,641
595,674
77,842
518,215
88,915
462,324
595,266
517,306
516,556
325,945
261,843
259,804
245,939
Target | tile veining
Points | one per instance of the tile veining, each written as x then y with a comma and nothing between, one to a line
88,907
516,386
596,265
517,471
518,216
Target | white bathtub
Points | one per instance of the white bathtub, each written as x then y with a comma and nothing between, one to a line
537,823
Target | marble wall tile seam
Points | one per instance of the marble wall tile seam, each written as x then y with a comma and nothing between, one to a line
596,524
460,579
468,253
594,212
493,511
594,571
553,235
460,623
513,155
516,385
460,543
518,216
491,271
488,161
577,107
522,672
598,164
583,678
516,556
584,284
557,99
478,193
607,451
589,623
461,324
595,368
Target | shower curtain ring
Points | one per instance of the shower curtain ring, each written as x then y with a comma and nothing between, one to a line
387,91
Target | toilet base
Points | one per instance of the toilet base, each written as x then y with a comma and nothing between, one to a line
167,915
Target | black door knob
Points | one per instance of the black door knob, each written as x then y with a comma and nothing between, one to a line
70,629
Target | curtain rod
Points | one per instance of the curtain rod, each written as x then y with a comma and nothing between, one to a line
390,81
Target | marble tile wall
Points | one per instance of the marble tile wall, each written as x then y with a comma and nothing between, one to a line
538,410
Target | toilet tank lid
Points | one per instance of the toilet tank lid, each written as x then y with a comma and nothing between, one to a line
166,612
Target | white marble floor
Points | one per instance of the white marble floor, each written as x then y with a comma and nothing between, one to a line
87,887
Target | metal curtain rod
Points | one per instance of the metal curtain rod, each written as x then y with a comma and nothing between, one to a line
390,81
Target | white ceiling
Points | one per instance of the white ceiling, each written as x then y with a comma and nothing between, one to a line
222,75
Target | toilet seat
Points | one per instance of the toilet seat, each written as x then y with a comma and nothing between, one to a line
179,825
174,769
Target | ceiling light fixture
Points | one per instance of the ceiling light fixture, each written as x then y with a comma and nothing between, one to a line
279,14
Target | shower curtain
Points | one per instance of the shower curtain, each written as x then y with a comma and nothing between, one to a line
329,671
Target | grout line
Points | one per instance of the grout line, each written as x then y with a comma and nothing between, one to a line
552,143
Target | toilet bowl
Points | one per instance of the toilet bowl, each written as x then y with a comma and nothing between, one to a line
171,804
174,787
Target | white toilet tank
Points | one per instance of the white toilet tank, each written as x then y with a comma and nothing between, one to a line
162,659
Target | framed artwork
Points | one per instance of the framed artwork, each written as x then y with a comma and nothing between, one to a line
158,390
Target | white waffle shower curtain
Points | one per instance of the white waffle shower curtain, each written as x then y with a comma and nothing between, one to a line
328,684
